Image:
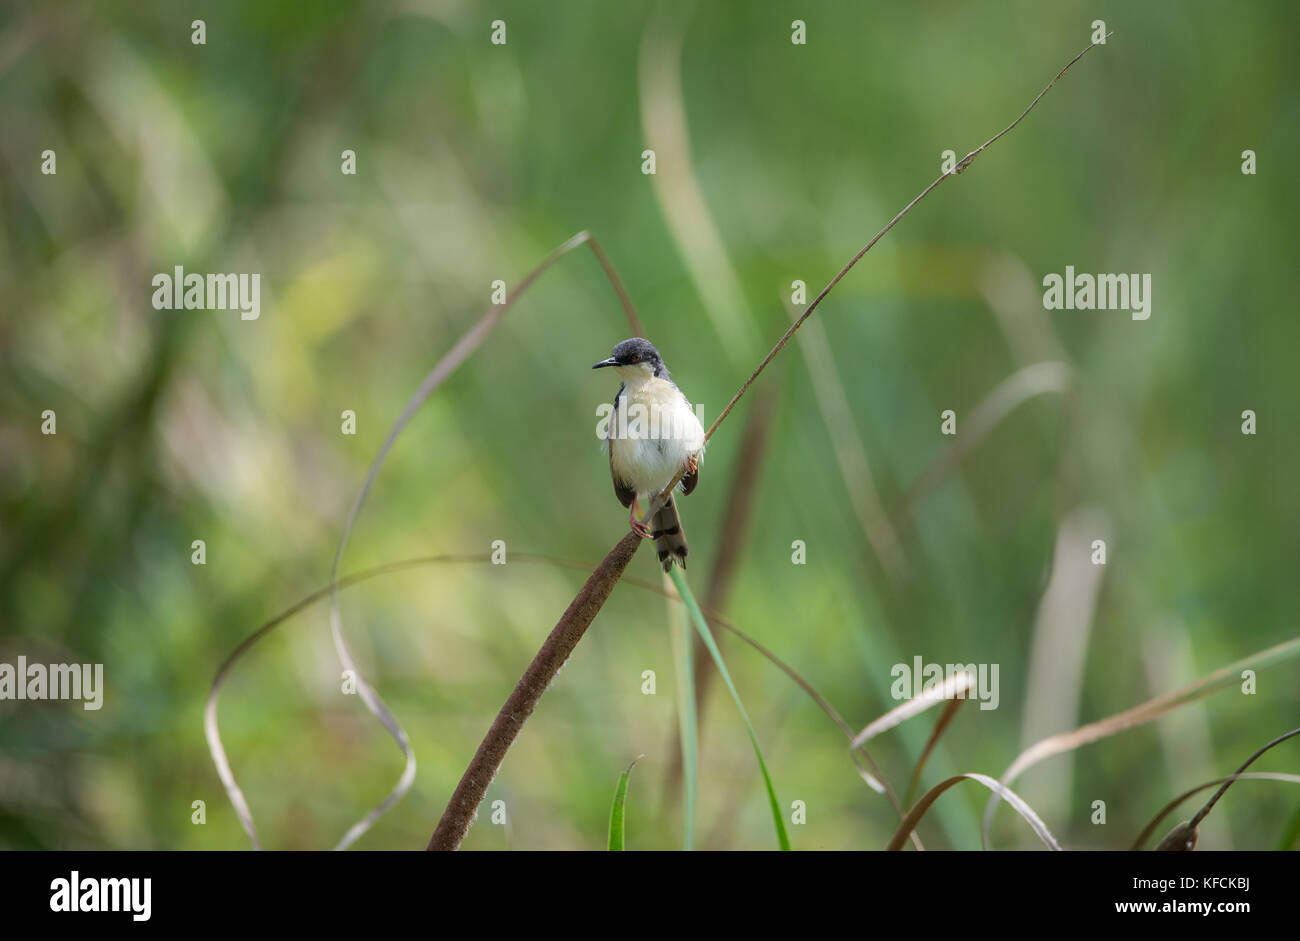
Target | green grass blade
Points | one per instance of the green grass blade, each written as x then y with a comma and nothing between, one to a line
702,626
687,725
617,810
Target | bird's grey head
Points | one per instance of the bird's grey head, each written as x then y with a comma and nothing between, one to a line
633,357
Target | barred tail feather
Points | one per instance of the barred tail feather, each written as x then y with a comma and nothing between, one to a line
670,540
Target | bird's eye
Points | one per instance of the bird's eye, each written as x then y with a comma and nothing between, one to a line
636,358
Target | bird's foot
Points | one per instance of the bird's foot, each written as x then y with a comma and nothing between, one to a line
693,464
638,527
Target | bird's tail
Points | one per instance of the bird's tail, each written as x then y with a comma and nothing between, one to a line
666,530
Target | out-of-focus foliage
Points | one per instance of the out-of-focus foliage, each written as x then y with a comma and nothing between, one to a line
474,160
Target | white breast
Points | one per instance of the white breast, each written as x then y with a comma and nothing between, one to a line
653,434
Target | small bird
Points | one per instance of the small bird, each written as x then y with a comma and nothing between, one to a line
653,436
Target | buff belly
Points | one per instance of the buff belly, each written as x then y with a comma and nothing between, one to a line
660,434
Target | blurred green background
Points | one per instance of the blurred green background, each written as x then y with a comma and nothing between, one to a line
775,162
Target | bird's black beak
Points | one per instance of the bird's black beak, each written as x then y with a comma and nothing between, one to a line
606,362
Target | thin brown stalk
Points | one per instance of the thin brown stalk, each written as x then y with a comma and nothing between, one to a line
959,168
1209,805
945,719
736,520
1192,792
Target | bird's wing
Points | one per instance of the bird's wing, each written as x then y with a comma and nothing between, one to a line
624,493
691,478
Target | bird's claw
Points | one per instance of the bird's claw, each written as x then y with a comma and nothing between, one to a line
638,527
